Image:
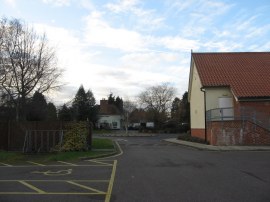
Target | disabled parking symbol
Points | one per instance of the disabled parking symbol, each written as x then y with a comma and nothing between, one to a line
54,173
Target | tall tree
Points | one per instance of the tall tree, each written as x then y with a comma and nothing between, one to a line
91,107
175,110
111,99
128,108
185,108
157,100
51,112
79,105
65,113
118,102
84,105
27,63
37,108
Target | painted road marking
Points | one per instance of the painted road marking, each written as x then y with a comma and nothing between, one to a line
67,163
83,184
55,173
28,184
38,164
32,187
119,154
110,187
86,187
5,164
100,163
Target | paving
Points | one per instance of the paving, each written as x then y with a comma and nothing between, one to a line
59,181
153,170
217,148
145,169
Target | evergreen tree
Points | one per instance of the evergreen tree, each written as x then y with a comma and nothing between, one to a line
37,108
111,99
180,111
119,103
175,110
79,105
51,112
185,108
65,113
91,101
84,106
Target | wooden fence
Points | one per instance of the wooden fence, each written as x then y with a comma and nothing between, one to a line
17,136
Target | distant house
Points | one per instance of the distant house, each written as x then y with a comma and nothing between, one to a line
229,95
109,116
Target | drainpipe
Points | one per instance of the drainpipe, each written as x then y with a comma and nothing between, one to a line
205,131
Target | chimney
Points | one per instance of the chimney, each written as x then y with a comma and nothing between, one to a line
103,106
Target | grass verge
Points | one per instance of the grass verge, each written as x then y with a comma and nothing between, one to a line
98,144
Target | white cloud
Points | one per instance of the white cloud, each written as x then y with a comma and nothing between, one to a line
122,5
144,19
57,3
178,43
11,3
100,33
87,4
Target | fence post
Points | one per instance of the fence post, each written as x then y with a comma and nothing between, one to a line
8,143
89,135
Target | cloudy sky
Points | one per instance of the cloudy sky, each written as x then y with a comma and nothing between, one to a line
125,46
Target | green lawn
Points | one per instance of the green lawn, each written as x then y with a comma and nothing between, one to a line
102,144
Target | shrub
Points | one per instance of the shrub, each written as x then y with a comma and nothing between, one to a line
75,138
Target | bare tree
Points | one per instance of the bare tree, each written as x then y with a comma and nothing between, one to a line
27,63
128,107
158,100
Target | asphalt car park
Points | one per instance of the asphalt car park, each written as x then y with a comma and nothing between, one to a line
88,180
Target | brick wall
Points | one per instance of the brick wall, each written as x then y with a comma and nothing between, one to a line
198,132
237,133
259,106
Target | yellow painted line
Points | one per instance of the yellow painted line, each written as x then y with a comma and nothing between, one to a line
120,149
110,187
100,163
55,180
32,187
38,164
28,166
86,187
49,193
71,164
5,164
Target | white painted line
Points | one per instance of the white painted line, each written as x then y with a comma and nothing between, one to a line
5,164
70,164
86,187
38,164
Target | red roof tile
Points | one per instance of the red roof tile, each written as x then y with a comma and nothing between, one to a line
246,73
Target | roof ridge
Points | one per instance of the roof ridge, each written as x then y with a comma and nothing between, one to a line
247,73
239,52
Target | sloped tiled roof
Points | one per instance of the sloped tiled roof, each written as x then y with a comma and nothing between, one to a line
246,73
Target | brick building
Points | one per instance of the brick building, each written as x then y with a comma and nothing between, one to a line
229,95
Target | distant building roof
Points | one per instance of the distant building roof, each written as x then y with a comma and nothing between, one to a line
108,109
246,73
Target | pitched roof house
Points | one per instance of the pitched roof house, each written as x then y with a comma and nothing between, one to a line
221,85
109,116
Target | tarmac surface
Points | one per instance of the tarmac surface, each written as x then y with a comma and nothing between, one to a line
156,168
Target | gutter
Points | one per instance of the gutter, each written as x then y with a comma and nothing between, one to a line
205,131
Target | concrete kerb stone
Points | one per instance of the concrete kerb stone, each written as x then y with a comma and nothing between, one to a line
217,148
125,135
